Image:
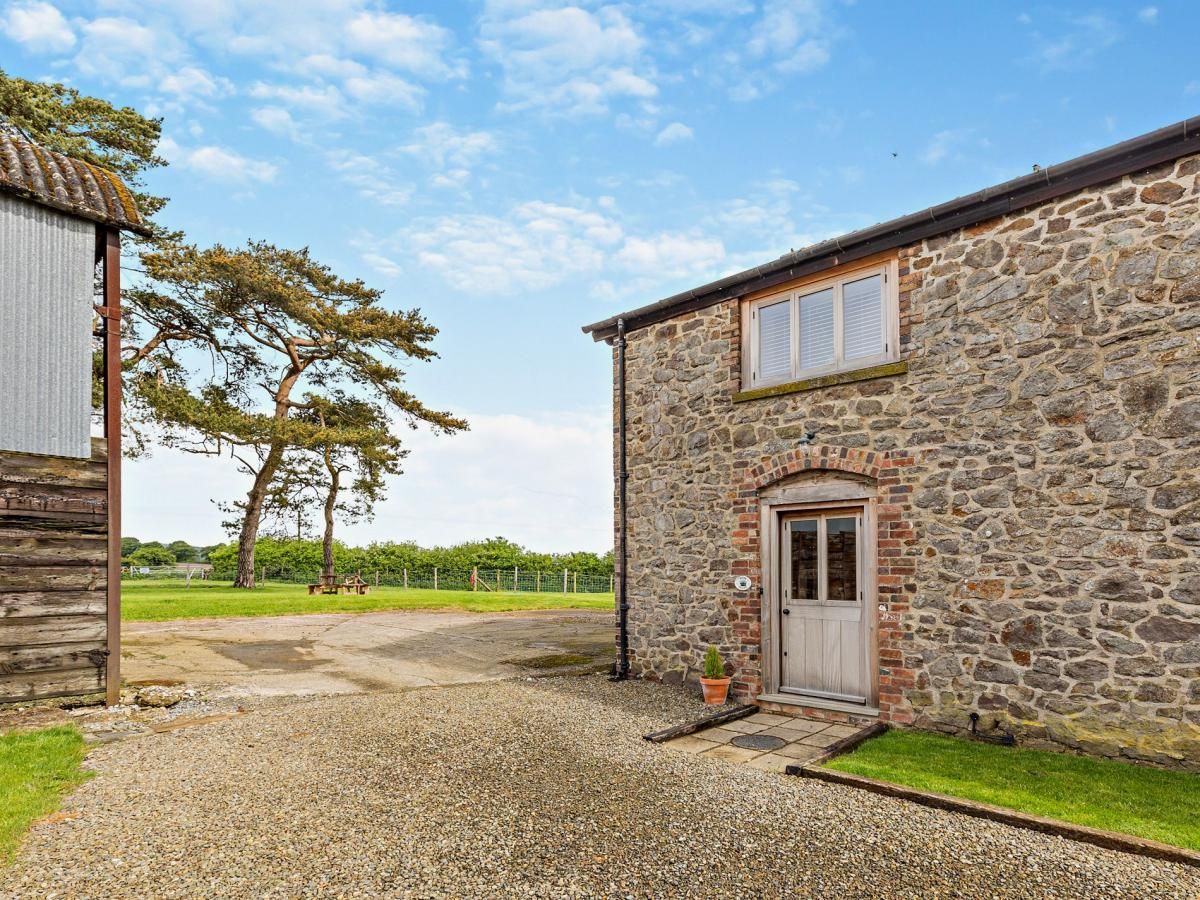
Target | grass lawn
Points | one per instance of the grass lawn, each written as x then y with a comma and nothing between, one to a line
1115,796
36,769
156,601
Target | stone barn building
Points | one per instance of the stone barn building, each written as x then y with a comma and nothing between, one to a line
60,538
948,464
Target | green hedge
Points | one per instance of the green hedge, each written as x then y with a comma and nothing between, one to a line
496,553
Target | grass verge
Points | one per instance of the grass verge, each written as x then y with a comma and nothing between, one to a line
1100,793
156,601
36,769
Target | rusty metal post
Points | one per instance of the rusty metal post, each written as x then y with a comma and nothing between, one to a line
112,435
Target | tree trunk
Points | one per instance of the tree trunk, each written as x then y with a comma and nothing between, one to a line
330,505
248,536
262,481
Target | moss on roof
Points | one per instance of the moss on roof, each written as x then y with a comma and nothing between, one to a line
67,184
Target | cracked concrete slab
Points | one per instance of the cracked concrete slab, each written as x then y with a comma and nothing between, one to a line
345,653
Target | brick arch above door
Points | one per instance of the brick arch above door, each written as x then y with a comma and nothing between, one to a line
866,463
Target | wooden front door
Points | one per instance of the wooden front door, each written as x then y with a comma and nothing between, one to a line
823,620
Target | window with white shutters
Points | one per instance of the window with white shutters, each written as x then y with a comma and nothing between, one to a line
775,340
816,329
862,317
836,325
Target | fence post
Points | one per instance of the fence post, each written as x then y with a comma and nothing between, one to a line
406,579
474,579
376,578
514,579
497,581
264,575
435,578
575,583
564,581
611,586
538,589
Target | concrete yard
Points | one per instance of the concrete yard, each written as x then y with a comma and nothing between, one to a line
340,653
516,788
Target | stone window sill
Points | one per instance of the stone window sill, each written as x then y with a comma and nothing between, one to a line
811,384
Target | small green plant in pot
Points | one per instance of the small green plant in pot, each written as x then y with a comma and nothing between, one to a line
714,682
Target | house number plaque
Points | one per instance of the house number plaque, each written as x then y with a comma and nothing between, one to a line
742,583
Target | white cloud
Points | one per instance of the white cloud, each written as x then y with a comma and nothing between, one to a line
454,179
538,245
670,255
218,163
127,52
568,60
789,37
384,89
324,101
1148,14
193,82
942,144
325,54
326,65
383,264
403,42
541,245
1082,40
673,134
441,144
784,26
37,26
370,177
277,120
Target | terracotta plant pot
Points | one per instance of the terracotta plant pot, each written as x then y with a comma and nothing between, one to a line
716,690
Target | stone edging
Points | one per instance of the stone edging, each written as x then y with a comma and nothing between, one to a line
1110,840
718,718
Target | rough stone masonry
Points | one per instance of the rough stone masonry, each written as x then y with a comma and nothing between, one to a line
1038,465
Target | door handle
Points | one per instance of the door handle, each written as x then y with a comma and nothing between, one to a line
786,611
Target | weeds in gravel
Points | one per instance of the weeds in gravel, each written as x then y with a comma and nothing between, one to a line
36,769
1116,796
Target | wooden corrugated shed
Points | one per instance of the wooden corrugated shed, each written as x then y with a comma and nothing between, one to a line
60,220
53,581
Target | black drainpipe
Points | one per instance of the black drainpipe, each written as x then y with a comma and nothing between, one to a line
622,668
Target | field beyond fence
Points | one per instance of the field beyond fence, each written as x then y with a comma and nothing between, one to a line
478,580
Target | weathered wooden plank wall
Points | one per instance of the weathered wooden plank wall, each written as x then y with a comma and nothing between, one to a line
53,534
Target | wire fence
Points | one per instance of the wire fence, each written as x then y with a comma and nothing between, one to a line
515,580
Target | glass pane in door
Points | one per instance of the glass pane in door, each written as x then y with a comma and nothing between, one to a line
803,537
841,554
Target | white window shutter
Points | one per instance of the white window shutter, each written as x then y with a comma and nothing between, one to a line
775,341
862,317
816,329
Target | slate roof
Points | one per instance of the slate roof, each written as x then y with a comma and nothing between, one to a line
1137,154
67,184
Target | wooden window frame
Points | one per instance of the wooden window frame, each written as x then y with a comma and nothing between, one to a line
891,325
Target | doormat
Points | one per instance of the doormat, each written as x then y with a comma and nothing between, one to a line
758,742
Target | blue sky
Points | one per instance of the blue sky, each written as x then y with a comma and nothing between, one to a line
519,168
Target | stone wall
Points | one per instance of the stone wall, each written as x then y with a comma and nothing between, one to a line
1038,474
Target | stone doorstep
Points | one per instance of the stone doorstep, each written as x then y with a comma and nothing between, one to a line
765,718
806,740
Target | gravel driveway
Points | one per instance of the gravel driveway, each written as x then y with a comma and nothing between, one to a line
523,789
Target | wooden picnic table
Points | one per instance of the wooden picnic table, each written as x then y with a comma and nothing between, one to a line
328,584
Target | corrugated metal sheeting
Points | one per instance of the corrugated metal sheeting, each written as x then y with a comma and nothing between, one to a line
47,266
